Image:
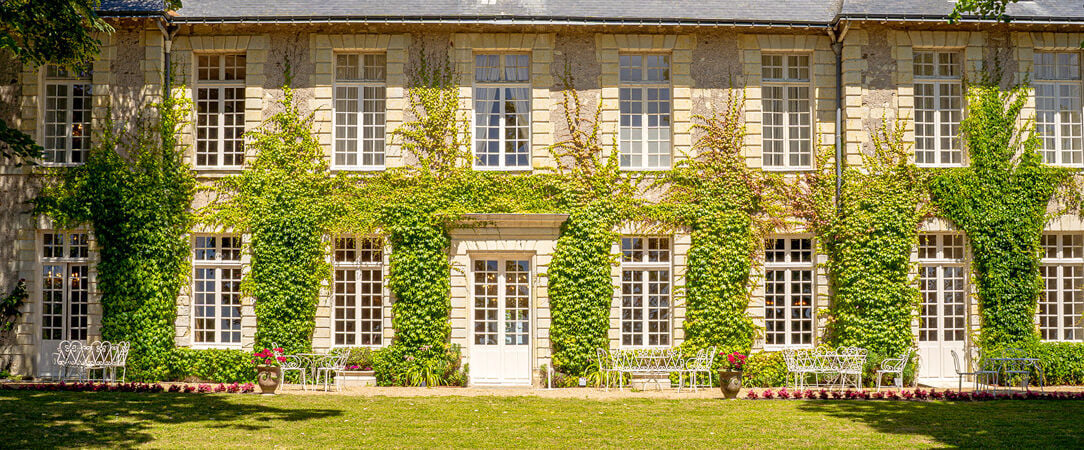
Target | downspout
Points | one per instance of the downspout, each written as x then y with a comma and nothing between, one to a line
168,32
837,48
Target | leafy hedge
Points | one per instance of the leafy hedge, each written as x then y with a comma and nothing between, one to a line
1063,362
212,365
764,369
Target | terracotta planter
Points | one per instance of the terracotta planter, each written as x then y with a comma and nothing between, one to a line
730,383
269,378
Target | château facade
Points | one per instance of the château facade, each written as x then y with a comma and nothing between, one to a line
814,74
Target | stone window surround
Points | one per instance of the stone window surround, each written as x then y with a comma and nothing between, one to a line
33,315
608,49
540,48
255,48
184,325
680,241
322,50
323,334
969,44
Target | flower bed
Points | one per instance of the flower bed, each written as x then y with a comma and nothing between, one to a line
917,394
233,388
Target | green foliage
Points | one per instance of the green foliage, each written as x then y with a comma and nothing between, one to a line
1000,200
135,192
211,365
727,205
10,306
581,288
285,199
765,369
869,240
427,365
357,356
984,9
436,136
1063,362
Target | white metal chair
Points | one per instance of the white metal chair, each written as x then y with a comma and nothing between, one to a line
606,366
895,367
851,366
328,366
299,364
700,364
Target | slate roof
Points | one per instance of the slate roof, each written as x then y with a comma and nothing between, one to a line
809,12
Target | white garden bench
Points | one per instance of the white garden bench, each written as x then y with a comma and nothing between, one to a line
83,359
652,362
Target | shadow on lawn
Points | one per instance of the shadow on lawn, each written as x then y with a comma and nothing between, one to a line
104,419
989,423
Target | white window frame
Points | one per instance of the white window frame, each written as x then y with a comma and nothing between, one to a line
67,262
221,85
357,265
378,126
500,86
1062,258
219,264
785,82
1056,83
789,267
53,75
645,267
645,86
942,85
940,251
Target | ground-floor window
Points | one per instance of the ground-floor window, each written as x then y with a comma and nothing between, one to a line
65,285
1062,303
358,298
645,291
788,292
216,290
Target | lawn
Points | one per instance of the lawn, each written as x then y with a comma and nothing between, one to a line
51,419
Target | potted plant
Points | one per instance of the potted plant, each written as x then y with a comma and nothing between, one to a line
358,370
269,369
730,374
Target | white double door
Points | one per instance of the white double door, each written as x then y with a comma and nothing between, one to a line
942,322
65,295
500,316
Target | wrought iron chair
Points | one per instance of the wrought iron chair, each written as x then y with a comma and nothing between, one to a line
983,374
299,364
328,366
606,367
851,366
894,366
700,364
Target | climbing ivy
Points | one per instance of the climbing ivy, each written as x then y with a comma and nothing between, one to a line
285,200
1000,200
135,192
868,238
729,208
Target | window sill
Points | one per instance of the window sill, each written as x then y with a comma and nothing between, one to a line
359,169
940,166
524,169
205,346
779,348
787,169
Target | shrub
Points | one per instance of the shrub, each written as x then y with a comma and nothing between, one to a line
1063,362
213,365
361,357
765,369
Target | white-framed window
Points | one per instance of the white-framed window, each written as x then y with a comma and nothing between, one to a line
1061,307
645,291
788,292
68,102
943,287
939,107
786,102
1058,107
216,290
360,108
358,297
65,285
220,110
645,102
502,111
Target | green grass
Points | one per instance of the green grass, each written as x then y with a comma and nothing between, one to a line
50,419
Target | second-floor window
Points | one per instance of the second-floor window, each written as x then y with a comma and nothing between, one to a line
360,95
1058,108
787,111
67,115
938,108
502,111
220,110
216,290
644,97
788,292
645,291
1061,307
